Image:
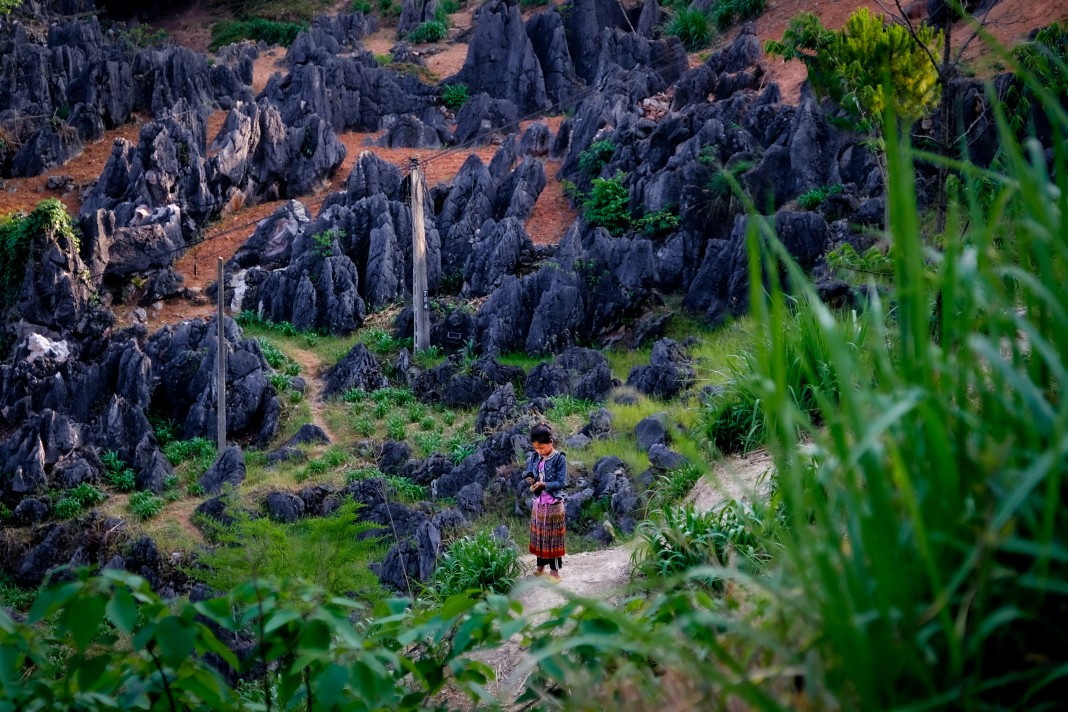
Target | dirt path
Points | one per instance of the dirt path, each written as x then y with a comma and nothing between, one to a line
312,366
605,575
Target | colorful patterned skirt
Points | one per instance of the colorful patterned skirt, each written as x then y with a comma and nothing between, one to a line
547,527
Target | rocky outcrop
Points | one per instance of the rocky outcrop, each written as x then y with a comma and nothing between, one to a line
578,372
498,250
414,13
347,92
721,287
358,370
501,61
183,362
548,38
456,384
78,82
669,372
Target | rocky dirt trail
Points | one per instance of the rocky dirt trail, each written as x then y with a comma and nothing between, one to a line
605,575
312,366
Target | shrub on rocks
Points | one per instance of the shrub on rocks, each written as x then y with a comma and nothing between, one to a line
479,563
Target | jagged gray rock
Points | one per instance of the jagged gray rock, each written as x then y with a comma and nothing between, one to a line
500,58
358,370
228,469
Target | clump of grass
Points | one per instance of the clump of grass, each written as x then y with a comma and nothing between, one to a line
257,29
395,429
478,563
145,505
671,487
430,31
567,406
691,27
428,443
406,490
455,95
117,474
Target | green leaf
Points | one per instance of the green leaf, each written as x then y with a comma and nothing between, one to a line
91,672
82,618
122,611
175,640
330,684
51,600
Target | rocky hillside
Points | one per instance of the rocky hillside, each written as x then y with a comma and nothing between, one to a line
294,181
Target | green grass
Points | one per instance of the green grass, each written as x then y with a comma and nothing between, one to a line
431,31
145,505
257,29
691,27
455,95
477,562
326,551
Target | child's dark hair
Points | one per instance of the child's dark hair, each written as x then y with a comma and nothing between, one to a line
541,434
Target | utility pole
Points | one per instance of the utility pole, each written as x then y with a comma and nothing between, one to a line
420,292
220,375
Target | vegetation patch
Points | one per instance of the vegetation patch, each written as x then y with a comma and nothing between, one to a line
327,551
690,25
479,563
430,31
455,95
258,29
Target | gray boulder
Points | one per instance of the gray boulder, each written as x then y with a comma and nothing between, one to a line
469,500
228,469
663,458
501,61
652,431
667,374
357,370
499,410
284,507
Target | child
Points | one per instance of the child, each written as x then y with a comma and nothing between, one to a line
546,472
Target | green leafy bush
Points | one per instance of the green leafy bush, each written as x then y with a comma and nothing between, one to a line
657,223
455,95
607,205
533,3
431,31
273,32
673,486
448,7
812,199
847,66
477,562
145,505
326,551
678,539
727,12
594,158
362,6
566,406
691,27
85,642
388,8
85,494
406,490
117,473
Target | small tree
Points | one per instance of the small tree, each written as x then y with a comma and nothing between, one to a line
850,66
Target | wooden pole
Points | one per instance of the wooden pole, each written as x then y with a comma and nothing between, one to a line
420,292
220,374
